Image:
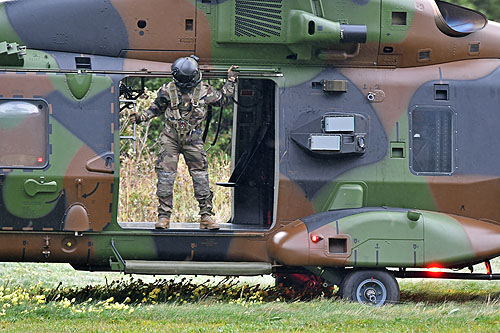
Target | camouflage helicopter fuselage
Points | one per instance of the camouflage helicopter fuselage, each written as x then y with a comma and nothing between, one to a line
382,119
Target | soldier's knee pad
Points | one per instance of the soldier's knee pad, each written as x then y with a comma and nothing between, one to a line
165,184
200,177
201,184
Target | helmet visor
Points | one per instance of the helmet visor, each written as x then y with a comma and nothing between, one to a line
184,78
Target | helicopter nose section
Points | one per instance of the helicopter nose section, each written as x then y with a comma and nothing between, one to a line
483,235
290,245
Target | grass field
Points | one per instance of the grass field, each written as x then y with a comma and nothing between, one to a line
426,305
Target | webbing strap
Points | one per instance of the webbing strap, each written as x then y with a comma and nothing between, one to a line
174,100
174,95
182,124
196,96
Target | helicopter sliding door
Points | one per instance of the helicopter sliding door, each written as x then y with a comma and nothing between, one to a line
254,153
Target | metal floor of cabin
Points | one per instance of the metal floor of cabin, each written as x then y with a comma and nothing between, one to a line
189,226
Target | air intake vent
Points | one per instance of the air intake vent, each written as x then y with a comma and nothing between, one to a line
258,18
83,63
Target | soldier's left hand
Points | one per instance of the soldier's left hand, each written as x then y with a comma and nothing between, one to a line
136,118
231,73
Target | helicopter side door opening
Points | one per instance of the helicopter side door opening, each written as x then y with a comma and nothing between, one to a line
254,154
251,149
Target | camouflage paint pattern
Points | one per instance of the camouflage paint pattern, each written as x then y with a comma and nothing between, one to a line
385,237
406,64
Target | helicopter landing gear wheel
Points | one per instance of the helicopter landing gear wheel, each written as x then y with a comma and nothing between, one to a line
370,287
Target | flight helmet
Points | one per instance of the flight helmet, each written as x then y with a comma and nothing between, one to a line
186,72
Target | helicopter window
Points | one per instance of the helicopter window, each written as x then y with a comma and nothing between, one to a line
23,133
431,136
457,21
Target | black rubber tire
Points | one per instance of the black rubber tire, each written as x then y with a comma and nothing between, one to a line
358,285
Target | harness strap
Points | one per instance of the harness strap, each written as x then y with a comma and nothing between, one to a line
195,99
174,100
174,95
181,124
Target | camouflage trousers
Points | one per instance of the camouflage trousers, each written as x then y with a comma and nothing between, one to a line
191,146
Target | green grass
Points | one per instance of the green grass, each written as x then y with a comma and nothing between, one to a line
427,305
318,315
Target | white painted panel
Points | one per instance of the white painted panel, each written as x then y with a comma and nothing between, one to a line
339,124
325,142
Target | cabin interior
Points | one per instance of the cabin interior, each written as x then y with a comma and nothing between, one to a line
253,162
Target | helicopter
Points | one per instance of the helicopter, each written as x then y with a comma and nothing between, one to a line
363,140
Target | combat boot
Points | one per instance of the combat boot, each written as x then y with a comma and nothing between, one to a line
207,222
163,223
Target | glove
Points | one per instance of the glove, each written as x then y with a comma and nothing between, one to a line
136,118
232,74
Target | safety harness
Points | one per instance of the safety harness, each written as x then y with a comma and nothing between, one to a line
182,124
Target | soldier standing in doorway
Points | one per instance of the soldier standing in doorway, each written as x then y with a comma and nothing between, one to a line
184,102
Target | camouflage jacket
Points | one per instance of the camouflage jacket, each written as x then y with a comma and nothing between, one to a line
191,111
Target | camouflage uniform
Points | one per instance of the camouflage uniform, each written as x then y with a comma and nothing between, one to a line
183,134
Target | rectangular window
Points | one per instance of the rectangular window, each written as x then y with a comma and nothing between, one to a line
23,133
431,135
